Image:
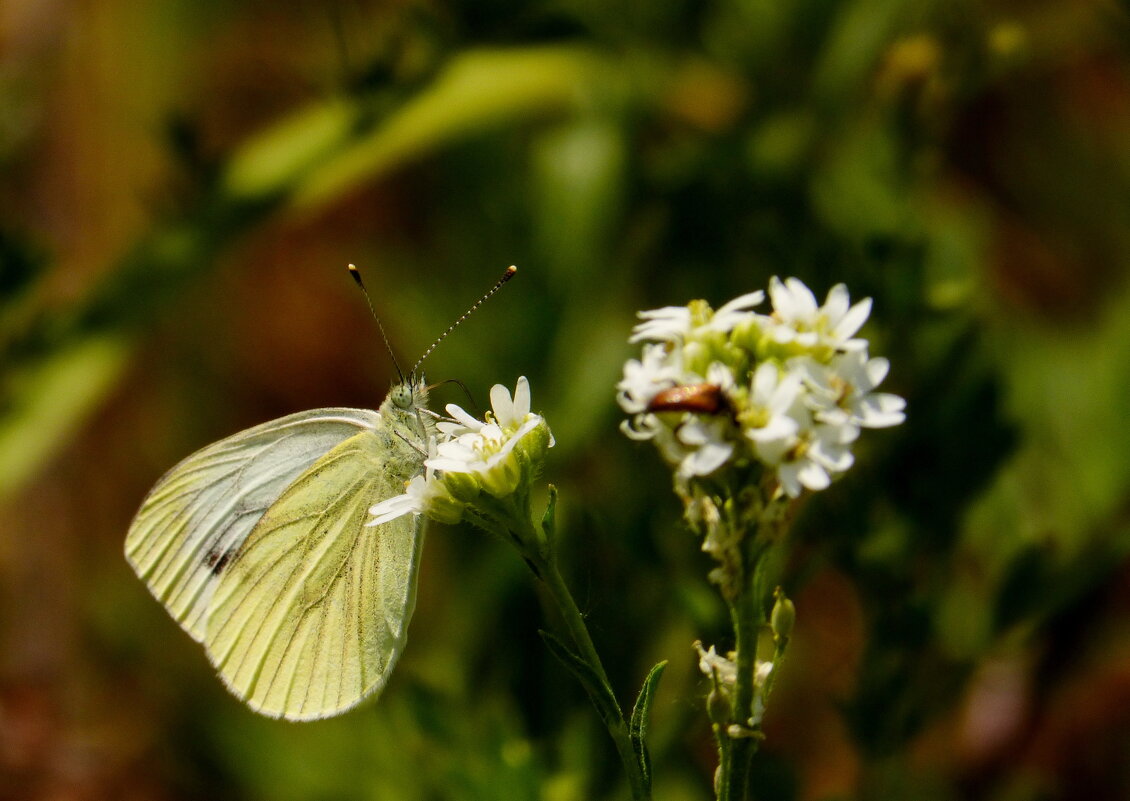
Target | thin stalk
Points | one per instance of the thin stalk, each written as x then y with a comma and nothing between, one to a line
575,623
748,617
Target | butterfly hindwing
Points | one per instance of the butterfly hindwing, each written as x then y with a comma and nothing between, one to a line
311,614
202,510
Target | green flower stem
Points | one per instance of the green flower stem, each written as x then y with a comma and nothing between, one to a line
601,693
746,617
508,519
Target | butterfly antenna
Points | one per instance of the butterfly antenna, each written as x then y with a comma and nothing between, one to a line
506,276
462,386
357,278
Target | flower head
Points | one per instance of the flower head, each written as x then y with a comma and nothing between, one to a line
780,396
796,317
496,456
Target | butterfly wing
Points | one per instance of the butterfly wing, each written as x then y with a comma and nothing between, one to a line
200,513
311,613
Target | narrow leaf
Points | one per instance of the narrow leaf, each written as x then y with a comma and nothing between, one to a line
637,729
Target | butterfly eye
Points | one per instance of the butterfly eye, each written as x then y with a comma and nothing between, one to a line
401,395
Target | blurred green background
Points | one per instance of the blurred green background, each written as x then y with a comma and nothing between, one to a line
182,184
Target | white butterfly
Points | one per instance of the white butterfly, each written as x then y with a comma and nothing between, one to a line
258,546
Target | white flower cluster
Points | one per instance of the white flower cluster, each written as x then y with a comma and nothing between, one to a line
790,389
471,456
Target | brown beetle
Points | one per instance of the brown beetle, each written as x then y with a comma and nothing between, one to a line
698,398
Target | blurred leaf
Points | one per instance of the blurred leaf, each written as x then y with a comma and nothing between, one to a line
42,408
860,33
578,173
476,89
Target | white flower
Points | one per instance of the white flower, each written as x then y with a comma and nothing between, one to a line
842,392
767,423
484,455
760,676
511,414
645,378
797,318
486,449
734,312
507,413
674,324
708,446
721,376
784,394
641,427
724,669
812,463
669,324
699,448
417,495
721,669
460,423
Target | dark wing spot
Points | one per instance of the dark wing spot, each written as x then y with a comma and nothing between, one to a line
217,560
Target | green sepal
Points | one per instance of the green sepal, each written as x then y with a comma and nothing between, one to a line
600,693
637,728
549,518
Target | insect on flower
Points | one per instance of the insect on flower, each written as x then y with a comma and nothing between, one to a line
697,398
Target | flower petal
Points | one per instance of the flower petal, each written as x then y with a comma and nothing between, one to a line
853,320
522,398
837,303
802,299
877,370
812,475
502,404
463,418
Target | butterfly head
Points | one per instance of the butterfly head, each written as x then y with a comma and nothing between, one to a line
407,396
402,396
402,410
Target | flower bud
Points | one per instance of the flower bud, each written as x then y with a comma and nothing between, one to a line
443,508
535,444
697,357
462,487
718,705
747,334
503,477
782,618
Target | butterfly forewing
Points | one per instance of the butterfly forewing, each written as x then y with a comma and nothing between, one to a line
199,514
310,614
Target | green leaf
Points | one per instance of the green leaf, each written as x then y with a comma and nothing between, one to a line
44,403
600,693
637,729
475,90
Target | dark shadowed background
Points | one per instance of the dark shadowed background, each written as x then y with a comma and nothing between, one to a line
182,184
